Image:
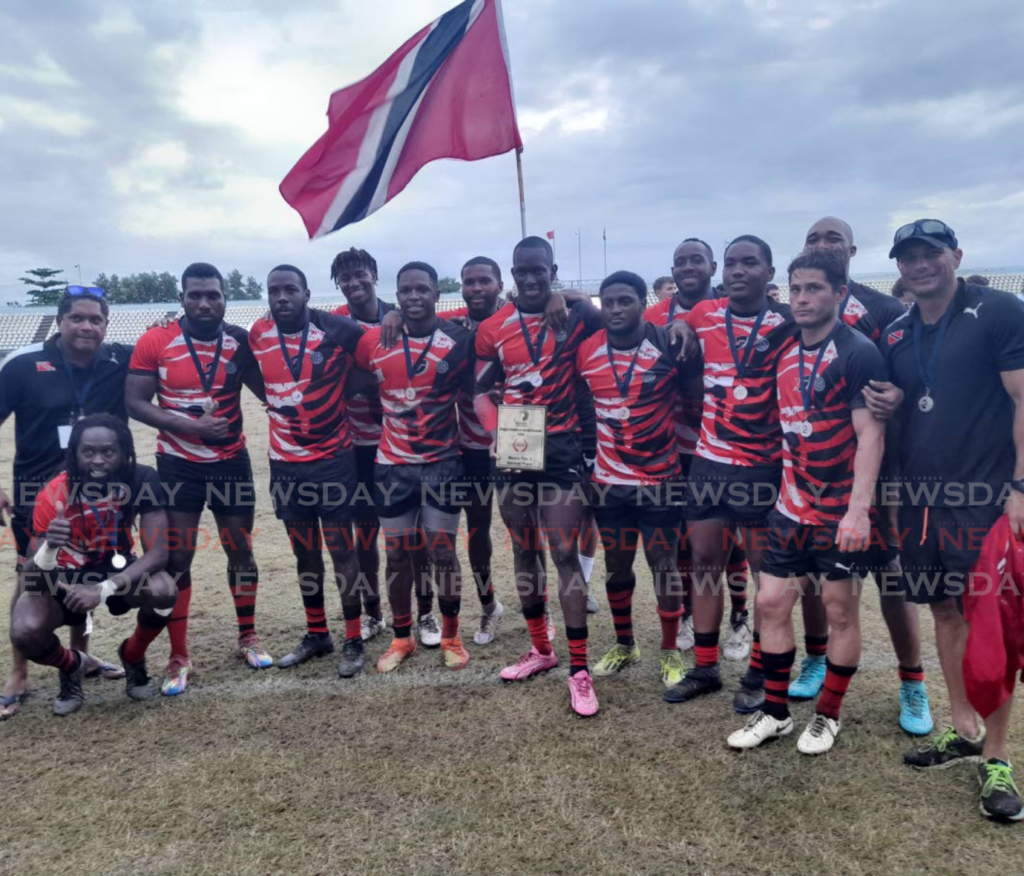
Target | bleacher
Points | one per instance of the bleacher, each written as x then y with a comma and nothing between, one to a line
19,329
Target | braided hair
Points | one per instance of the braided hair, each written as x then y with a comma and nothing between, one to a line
353,258
125,475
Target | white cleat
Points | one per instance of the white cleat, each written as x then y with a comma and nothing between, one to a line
737,646
430,631
487,632
372,627
760,728
685,640
819,736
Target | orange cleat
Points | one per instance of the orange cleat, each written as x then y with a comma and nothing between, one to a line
455,656
399,651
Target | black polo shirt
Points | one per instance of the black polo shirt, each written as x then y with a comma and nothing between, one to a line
967,438
35,387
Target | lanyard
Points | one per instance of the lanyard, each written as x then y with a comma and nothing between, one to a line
110,536
807,386
742,360
623,384
294,366
929,372
535,352
206,376
81,395
411,369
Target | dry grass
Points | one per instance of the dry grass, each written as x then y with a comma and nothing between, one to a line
433,772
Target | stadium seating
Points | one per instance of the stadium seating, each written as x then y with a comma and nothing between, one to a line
19,329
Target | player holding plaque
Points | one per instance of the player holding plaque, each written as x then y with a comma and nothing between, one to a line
538,366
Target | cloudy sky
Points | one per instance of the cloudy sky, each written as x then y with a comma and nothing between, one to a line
141,136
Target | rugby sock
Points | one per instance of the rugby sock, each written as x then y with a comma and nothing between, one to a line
147,628
756,665
353,620
243,594
449,617
587,565
837,680
62,658
669,628
402,624
817,646
914,674
777,669
620,598
537,624
705,648
737,575
177,626
313,603
577,637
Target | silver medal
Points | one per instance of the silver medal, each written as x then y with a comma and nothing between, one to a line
806,429
442,367
297,397
926,403
209,405
118,561
536,379
622,414
410,393
739,392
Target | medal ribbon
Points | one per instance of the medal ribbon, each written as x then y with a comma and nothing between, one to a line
294,366
410,367
535,352
929,373
110,537
742,360
623,383
807,386
207,375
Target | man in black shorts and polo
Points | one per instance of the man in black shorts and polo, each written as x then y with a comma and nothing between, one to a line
958,356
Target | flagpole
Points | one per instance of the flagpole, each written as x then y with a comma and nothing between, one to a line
522,192
604,234
579,252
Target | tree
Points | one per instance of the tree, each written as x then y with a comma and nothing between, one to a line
44,289
449,286
145,288
253,289
233,290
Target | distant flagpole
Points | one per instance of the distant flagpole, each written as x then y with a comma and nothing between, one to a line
522,192
604,234
579,252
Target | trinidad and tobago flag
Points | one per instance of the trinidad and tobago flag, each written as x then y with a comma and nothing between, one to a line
446,93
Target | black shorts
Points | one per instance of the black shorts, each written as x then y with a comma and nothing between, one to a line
399,489
656,512
225,487
938,569
48,582
563,464
320,490
796,550
366,461
743,495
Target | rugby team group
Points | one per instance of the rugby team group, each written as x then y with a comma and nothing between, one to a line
805,445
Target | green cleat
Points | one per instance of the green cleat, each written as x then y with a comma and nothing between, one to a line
1000,799
672,668
617,659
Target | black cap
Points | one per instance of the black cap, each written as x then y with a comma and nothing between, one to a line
932,231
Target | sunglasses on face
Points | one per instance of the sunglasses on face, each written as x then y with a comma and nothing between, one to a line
930,227
95,291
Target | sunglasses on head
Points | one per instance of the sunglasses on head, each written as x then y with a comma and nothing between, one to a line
95,291
930,227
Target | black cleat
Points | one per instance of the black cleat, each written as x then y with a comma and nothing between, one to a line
312,645
71,697
945,750
353,658
137,683
750,696
697,682
1000,799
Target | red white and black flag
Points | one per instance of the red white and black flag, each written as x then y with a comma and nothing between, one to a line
446,93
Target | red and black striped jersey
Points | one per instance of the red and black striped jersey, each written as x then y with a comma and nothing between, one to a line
364,408
635,432
163,353
689,405
472,434
869,311
420,425
308,416
552,380
100,525
740,418
819,445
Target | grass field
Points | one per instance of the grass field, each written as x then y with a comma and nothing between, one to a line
298,772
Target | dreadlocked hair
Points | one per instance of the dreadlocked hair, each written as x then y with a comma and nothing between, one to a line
353,258
125,475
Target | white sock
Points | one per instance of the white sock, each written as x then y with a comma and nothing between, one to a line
587,565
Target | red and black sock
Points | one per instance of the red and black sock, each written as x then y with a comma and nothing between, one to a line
243,585
737,575
756,664
449,617
915,673
817,646
577,637
705,648
669,628
352,612
147,627
60,657
402,624
313,603
537,624
177,626
777,669
837,681
620,599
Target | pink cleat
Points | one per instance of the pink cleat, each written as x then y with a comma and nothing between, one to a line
582,696
528,665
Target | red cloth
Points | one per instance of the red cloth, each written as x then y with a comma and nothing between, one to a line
994,608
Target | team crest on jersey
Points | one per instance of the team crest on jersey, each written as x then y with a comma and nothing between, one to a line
316,357
761,345
895,337
230,367
831,354
772,319
855,308
45,366
649,351
649,377
443,342
442,367
560,336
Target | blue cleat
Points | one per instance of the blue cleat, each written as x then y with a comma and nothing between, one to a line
809,682
915,710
